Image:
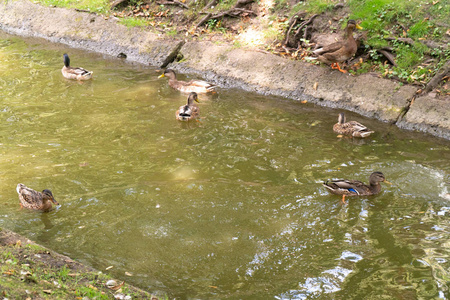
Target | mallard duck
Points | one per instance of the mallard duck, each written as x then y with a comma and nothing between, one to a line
32,199
74,73
198,86
190,111
339,51
356,188
352,128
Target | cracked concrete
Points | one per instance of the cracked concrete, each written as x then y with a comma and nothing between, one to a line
227,66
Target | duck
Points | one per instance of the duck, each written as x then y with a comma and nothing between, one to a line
197,86
35,200
340,51
346,187
76,73
190,111
352,128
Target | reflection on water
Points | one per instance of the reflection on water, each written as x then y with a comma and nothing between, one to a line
229,207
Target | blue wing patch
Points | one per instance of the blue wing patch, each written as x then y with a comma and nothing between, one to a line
353,190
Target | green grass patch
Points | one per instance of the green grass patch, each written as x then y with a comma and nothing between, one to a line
134,22
98,6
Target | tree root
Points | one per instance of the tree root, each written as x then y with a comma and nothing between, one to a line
434,82
232,12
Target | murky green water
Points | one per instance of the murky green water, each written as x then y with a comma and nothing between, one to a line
231,207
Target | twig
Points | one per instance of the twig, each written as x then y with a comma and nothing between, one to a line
174,2
293,22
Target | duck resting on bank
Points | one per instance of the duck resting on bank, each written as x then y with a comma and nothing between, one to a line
76,73
190,111
352,128
346,187
32,199
197,86
340,51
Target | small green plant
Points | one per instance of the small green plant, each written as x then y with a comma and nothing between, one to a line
420,29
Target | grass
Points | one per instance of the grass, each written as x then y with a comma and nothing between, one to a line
133,22
33,272
98,6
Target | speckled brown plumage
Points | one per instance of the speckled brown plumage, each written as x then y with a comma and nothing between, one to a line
197,86
32,199
352,128
340,51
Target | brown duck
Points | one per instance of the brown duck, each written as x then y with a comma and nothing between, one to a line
339,51
190,111
76,73
352,128
32,199
346,187
197,86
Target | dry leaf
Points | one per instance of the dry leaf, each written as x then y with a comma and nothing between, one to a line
303,101
128,274
109,268
113,285
47,291
316,84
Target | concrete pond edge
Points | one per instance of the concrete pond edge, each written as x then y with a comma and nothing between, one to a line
227,66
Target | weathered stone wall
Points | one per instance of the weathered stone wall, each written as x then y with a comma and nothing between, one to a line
230,67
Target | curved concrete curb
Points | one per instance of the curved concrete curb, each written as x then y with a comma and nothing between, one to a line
230,67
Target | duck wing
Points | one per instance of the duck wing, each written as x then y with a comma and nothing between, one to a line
78,71
28,195
330,48
347,187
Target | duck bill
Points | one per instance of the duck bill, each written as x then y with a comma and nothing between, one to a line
54,201
385,181
161,76
359,27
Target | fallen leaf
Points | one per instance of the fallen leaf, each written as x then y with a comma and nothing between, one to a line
47,291
18,243
316,84
303,101
128,274
114,285
109,268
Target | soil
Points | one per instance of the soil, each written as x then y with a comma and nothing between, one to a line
31,271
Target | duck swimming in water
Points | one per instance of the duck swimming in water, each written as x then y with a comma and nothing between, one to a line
352,128
76,73
197,86
32,199
190,111
346,187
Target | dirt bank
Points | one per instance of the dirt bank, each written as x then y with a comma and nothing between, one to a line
228,66
30,271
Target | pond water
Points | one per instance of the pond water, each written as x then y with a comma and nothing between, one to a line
231,207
